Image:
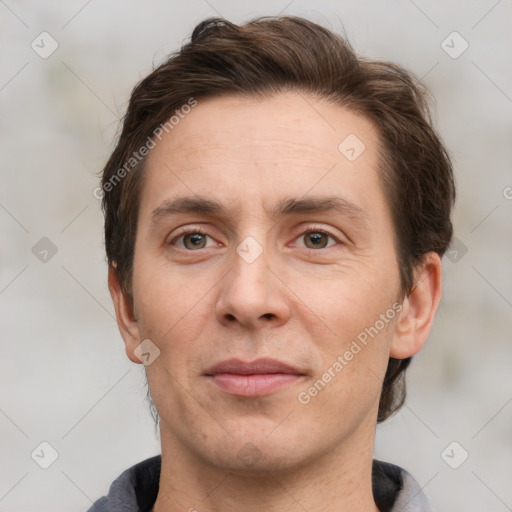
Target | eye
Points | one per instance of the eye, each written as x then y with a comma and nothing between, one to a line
192,239
317,239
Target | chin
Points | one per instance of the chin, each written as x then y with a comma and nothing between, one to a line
252,459
260,450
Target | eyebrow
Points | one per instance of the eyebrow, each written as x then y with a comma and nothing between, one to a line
285,207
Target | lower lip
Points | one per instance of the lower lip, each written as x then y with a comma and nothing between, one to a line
253,385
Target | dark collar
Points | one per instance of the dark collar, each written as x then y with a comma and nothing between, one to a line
387,482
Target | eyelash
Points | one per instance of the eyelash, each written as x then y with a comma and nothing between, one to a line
311,229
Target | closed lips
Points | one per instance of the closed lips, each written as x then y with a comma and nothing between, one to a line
258,378
257,367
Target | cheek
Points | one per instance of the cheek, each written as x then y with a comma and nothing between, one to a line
165,297
351,334
348,386
345,301
171,311
167,310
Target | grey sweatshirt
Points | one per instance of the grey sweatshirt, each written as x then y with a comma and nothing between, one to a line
136,489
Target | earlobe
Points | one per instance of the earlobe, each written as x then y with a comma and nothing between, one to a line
126,320
417,315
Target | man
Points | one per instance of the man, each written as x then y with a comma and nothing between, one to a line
275,213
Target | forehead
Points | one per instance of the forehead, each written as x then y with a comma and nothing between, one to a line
293,122
255,151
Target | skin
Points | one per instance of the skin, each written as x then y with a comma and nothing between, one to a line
297,302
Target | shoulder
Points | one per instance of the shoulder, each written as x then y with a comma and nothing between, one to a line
134,490
396,490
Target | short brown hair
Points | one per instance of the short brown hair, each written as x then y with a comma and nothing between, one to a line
269,55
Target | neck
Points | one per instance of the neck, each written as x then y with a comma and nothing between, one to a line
337,481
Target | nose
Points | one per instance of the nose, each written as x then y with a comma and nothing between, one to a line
252,295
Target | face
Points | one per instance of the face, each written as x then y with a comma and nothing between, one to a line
284,251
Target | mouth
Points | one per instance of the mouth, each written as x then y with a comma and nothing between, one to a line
251,379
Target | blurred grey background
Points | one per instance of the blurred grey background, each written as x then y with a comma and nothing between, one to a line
67,71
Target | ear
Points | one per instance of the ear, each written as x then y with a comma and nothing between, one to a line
419,308
126,321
